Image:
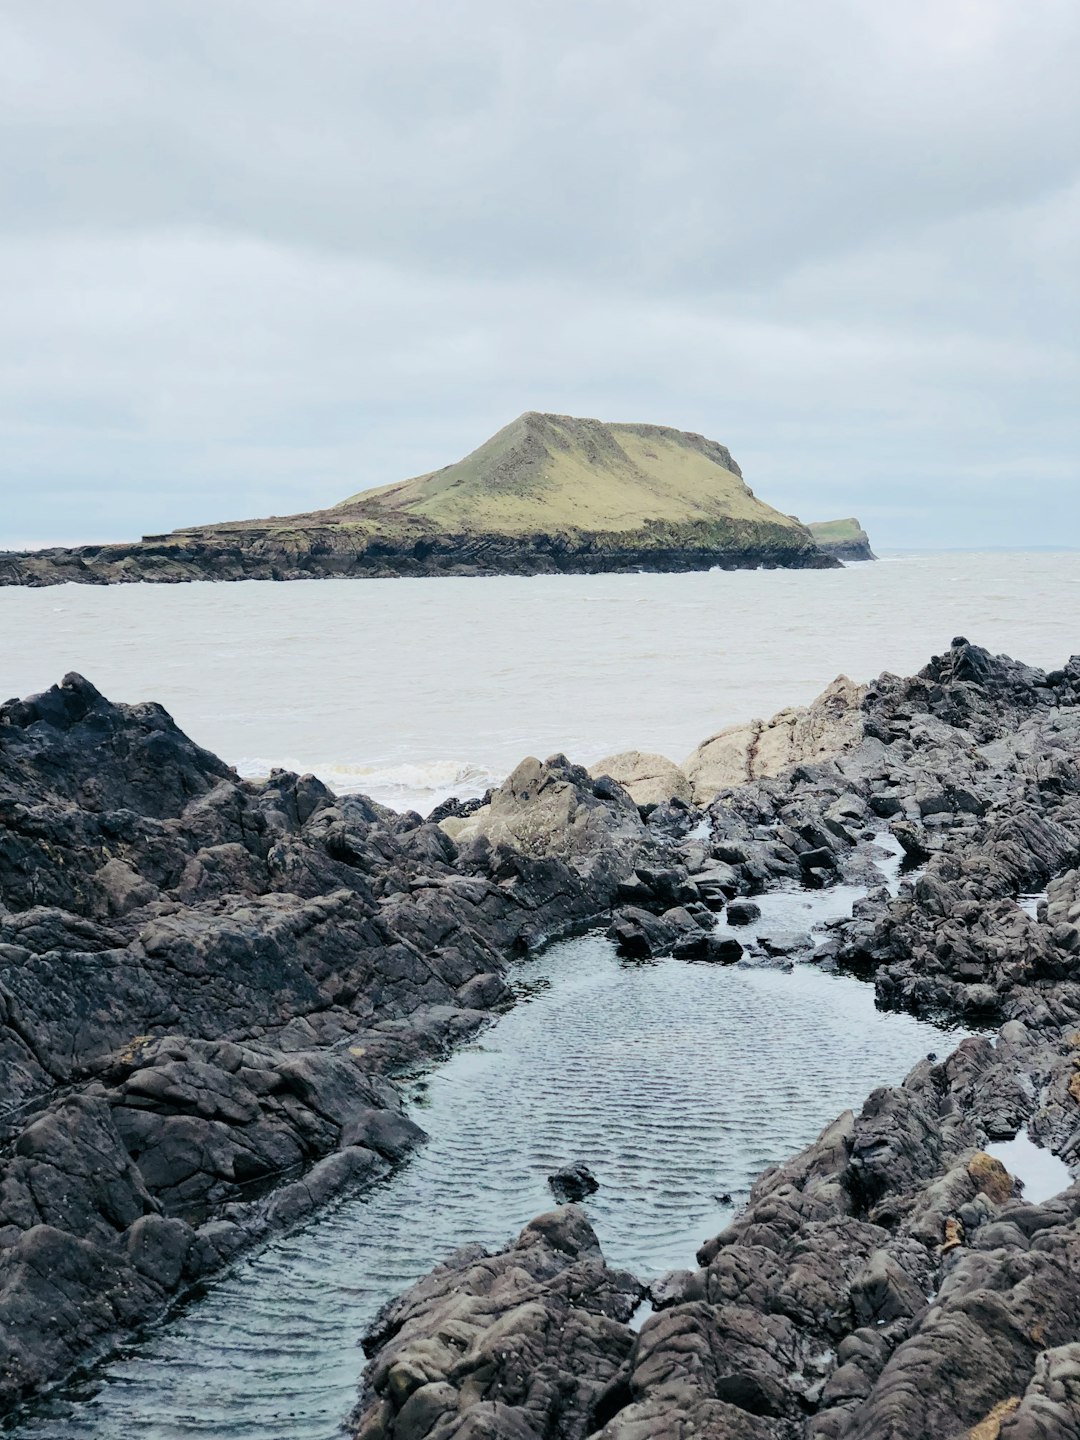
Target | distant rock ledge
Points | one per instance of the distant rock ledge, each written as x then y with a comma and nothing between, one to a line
263,554
842,539
548,494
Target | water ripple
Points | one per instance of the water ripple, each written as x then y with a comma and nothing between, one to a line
676,1083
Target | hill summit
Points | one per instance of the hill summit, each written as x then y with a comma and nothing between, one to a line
557,472
547,493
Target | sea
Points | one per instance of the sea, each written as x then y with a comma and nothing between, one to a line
414,690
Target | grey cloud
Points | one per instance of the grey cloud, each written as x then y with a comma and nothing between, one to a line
256,255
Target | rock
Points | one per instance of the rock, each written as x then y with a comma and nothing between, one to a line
498,1342
204,982
573,1183
742,912
832,724
648,779
640,935
785,942
887,1283
716,884
556,809
716,949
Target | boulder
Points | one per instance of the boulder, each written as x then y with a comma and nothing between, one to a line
492,1345
573,1183
556,809
649,779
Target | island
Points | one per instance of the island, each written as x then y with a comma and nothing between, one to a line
842,539
546,494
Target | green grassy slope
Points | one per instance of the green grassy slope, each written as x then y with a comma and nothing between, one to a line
836,531
555,472
844,538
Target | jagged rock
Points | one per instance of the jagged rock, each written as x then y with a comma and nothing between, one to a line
891,1281
203,983
556,809
573,1183
520,1344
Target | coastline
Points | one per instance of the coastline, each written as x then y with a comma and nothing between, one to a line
169,562
518,874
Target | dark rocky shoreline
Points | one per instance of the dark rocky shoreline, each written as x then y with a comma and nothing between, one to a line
338,553
208,986
891,1281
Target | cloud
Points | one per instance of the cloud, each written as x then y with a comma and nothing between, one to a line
257,256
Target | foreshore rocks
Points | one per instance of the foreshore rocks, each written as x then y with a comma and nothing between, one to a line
495,1345
894,1281
207,986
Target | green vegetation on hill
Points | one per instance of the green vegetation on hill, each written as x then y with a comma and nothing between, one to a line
548,493
556,472
845,539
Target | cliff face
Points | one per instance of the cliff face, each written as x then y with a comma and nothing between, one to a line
548,493
842,539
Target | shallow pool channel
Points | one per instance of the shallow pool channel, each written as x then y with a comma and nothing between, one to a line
676,1083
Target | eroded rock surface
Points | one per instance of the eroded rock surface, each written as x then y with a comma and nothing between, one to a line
526,1342
761,748
647,778
206,986
893,1281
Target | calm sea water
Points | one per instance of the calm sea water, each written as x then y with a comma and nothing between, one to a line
415,689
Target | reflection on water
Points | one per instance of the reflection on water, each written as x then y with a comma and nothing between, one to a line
676,1083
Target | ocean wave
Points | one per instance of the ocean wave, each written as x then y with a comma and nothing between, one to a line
406,786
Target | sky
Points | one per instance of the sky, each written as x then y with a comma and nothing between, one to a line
256,255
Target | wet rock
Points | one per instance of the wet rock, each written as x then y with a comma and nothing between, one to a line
742,912
640,935
712,948
502,1342
890,1281
785,942
573,1183
204,982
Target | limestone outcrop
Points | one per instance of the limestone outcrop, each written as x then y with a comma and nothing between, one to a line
831,724
647,778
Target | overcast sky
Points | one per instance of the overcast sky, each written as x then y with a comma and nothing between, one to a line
258,254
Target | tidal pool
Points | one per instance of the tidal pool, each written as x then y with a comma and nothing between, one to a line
676,1083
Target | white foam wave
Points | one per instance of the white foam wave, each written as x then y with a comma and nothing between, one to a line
405,786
